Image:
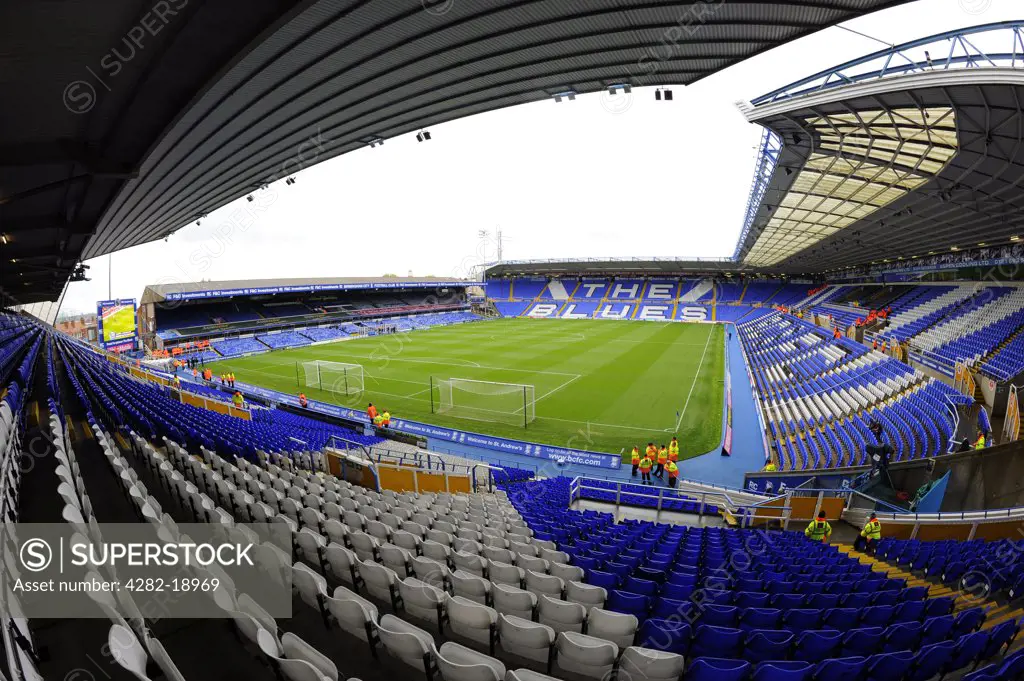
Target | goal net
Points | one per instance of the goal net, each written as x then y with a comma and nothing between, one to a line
334,377
511,403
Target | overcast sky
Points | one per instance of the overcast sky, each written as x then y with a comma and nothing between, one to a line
601,176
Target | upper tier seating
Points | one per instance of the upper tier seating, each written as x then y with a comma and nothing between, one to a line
232,347
283,339
819,396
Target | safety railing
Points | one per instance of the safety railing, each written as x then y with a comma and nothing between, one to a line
747,514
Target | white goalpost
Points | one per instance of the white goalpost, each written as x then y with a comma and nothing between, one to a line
511,403
334,377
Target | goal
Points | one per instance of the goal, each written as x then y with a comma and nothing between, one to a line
511,403
333,377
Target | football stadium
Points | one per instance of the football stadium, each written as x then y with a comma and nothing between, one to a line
800,460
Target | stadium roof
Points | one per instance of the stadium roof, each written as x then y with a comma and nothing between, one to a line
133,118
641,267
908,152
155,293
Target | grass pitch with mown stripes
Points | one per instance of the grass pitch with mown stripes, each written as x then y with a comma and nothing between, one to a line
600,385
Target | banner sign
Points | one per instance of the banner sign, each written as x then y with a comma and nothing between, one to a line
498,444
314,288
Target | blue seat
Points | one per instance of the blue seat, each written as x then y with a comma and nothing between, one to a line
969,649
889,666
812,646
931,661
788,601
909,611
620,570
801,619
629,603
720,616
914,593
864,642
877,615
767,644
967,621
937,629
714,669
824,601
938,606
783,671
678,592
644,587
648,574
889,597
902,636
665,608
989,672
711,641
1013,666
669,635
747,599
842,619
603,579
841,669
1000,636
760,618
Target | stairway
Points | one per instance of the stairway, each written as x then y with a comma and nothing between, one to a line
995,613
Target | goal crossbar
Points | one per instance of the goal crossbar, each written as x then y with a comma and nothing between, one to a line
494,401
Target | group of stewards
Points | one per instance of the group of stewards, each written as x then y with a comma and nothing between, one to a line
656,461
381,419
820,530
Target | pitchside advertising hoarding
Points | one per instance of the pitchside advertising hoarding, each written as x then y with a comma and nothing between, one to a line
116,324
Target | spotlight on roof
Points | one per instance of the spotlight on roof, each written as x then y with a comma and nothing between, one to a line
663,93
624,87
3,238
423,136
249,198
290,181
374,141
568,94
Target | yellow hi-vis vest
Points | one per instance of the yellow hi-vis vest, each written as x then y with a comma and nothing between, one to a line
818,530
980,444
634,456
662,455
872,530
645,464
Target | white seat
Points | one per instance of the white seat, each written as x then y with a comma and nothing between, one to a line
342,563
561,615
531,563
364,545
542,584
527,675
406,540
421,600
436,551
553,556
569,573
469,562
645,664
431,571
311,587
297,660
459,663
510,600
127,651
612,626
354,614
471,620
396,558
380,581
470,586
407,642
585,655
588,595
311,546
505,573
526,639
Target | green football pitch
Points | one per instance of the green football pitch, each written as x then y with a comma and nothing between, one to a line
597,385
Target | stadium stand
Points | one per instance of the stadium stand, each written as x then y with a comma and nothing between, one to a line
283,339
819,396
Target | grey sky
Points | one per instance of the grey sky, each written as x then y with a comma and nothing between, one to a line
601,176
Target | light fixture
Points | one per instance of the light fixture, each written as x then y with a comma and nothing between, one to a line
1014,238
953,248
423,136
290,180
663,93
982,244
568,94
249,198
3,237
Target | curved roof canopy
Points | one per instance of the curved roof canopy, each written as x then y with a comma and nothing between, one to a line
132,118
905,153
